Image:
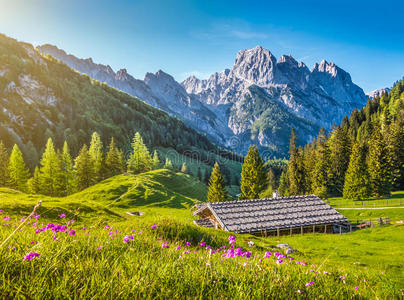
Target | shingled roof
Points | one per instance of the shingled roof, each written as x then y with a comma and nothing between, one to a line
271,214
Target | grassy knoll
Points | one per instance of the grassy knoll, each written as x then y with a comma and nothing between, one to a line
96,262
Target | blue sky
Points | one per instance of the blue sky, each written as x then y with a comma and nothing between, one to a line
201,37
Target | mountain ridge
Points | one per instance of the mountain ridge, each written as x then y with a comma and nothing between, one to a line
224,106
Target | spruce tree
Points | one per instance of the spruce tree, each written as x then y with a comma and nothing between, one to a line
357,183
296,170
3,165
184,168
97,156
68,177
168,164
199,174
321,172
283,184
140,159
34,183
113,160
18,173
217,190
50,170
206,177
340,151
156,160
379,165
84,168
252,175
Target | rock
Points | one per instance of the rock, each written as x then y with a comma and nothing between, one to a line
290,250
282,246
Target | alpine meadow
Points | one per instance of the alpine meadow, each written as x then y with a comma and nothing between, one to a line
257,179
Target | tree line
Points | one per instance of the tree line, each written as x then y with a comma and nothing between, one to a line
361,158
58,174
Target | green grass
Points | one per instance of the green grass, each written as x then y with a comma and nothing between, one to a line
396,199
72,267
395,214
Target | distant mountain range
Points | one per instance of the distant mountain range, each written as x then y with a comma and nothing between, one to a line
258,101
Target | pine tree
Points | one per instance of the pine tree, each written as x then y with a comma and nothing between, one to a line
271,179
379,165
217,190
184,168
3,165
68,177
156,160
50,170
140,159
113,160
283,184
357,184
252,175
34,183
296,174
84,167
168,164
199,174
206,177
18,173
340,150
96,153
321,172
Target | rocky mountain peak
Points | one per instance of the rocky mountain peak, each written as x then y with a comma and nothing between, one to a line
255,65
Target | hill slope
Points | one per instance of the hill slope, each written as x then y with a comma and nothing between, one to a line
113,197
41,97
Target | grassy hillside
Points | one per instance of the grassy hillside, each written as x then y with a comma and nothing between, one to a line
41,97
115,196
128,259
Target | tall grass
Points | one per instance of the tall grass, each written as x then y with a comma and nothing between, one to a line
96,263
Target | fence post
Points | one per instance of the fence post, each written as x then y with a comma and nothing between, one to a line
350,227
301,229
290,230
325,228
314,228
277,231
340,229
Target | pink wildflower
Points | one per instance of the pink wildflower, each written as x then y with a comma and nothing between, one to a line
154,226
107,227
299,291
267,254
356,288
165,245
202,244
7,218
31,255
99,248
62,216
310,283
245,264
72,232
178,247
342,277
188,244
279,261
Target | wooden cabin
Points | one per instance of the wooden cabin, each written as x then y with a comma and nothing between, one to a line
282,215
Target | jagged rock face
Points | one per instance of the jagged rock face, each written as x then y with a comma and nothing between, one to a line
259,100
312,99
377,93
